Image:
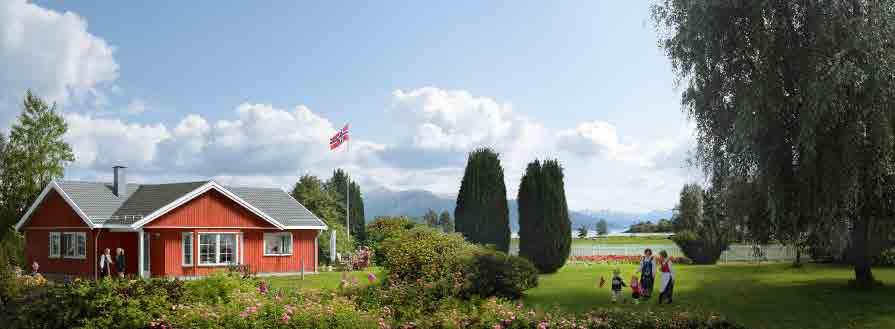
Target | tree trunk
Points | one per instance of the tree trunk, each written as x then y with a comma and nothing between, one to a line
861,255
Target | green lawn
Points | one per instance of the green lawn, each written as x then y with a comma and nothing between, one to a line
759,296
322,280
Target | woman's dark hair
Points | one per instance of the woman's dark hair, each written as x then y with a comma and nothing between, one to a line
663,253
648,251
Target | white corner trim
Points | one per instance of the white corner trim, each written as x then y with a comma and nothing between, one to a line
40,198
199,191
306,227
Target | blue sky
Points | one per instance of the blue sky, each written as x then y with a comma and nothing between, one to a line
184,91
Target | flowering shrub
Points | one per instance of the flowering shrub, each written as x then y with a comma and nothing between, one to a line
361,259
95,304
217,287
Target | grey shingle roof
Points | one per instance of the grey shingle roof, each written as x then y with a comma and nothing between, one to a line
101,206
277,204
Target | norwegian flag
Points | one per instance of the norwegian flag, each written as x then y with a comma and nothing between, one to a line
340,137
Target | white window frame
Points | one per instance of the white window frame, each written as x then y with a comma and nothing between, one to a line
184,238
217,248
278,234
79,253
58,239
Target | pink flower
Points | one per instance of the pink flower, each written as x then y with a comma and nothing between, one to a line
243,314
542,325
371,277
262,288
285,318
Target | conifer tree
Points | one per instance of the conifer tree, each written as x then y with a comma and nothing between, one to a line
481,214
545,231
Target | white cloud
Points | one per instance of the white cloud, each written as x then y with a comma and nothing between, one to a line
99,142
52,54
136,106
447,124
598,138
455,120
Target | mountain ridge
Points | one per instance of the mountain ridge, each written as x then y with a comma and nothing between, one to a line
415,203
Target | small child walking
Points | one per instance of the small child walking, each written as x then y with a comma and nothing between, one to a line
617,284
635,289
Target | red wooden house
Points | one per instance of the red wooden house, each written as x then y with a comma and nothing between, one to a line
169,230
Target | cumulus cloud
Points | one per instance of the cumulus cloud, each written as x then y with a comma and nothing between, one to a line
52,54
455,120
100,142
598,138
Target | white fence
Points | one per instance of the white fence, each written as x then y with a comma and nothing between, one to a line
736,253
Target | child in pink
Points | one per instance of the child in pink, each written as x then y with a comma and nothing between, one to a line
635,289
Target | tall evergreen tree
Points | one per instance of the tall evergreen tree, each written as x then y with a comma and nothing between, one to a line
35,154
311,192
602,227
481,214
358,217
337,185
431,219
445,221
545,231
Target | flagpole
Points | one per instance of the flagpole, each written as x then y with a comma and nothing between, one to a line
347,191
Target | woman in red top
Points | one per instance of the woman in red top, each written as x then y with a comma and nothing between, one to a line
667,288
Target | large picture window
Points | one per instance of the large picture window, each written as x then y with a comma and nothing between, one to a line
217,248
74,245
186,248
55,245
278,244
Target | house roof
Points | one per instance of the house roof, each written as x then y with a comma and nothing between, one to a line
98,202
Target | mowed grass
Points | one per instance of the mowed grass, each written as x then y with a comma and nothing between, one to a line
770,295
322,280
758,296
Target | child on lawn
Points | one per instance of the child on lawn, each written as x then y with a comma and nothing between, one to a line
635,289
617,284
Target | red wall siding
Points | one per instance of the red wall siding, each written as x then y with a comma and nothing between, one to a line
125,240
37,248
302,247
55,212
166,257
211,209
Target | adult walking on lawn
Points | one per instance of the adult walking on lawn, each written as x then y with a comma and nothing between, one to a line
647,273
667,288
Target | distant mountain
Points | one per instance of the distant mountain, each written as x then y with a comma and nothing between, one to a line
415,203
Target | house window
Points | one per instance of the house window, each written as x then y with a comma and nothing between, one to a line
217,248
278,244
55,245
74,245
186,248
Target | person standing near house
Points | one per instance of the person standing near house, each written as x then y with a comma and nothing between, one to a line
120,261
105,263
647,273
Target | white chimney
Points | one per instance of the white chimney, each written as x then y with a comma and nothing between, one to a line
120,187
